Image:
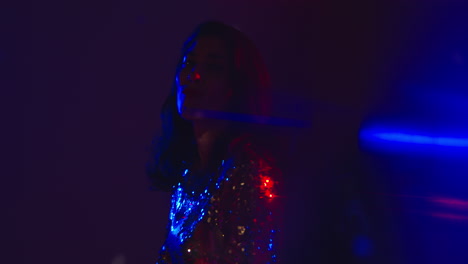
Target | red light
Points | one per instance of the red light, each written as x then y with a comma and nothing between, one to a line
267,186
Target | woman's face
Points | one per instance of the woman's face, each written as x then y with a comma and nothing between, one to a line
203,80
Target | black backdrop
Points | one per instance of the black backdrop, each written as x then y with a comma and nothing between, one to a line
82,83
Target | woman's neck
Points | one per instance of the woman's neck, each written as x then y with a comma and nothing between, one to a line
208,134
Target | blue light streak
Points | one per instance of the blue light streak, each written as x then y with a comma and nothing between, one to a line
249,118
420,139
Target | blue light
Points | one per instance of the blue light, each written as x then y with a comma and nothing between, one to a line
412,140
247,118
362,246
270,245
419,139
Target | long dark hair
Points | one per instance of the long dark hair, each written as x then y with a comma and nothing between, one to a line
176,147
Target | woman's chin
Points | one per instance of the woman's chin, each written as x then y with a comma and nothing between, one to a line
188,113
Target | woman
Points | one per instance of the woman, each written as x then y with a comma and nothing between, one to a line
225,200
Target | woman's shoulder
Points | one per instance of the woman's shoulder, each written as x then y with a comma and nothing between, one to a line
254,153
254,163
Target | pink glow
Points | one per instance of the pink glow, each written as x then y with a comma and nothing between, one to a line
453,203
450,216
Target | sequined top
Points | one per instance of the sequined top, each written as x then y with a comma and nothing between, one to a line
230,217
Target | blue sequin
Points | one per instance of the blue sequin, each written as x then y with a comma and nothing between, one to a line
190,205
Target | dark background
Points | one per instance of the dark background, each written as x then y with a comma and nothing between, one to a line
83,82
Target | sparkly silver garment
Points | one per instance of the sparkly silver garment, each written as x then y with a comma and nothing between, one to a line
231,217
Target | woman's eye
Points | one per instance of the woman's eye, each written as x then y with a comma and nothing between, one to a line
188,63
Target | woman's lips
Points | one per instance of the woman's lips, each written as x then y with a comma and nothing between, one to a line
192,92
